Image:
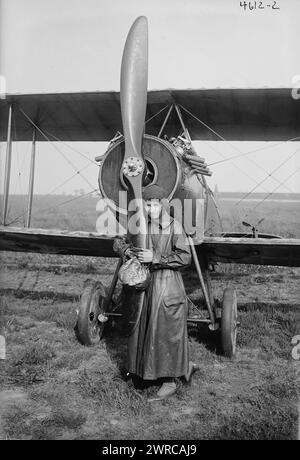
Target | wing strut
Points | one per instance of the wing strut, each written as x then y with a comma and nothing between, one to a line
31,179
7,166
165,120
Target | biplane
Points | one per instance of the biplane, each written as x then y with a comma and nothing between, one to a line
157,152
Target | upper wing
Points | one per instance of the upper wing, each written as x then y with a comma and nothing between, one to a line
265,114
259,251
56,242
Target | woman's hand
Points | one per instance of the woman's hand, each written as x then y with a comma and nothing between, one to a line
129,253
144,255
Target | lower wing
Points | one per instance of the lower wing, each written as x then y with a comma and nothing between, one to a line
56,242
259,251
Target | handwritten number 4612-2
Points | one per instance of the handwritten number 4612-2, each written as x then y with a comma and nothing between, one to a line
259,5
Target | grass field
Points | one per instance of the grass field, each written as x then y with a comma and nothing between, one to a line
51,387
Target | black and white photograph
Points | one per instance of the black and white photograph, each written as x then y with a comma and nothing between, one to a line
149,223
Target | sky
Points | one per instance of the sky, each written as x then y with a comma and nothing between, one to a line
75,45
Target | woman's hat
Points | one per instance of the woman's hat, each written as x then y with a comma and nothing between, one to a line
154,192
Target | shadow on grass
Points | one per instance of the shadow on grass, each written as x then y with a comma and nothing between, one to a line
210,339
116,345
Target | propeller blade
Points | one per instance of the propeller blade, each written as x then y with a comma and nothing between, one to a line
134,81
133,98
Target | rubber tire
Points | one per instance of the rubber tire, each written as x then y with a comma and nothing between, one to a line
229,322
89,331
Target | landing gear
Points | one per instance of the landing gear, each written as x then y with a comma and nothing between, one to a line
91,317
229,322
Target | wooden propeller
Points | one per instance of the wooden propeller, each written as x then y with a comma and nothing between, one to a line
133,97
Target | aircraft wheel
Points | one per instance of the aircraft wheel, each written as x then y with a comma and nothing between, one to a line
88,328
229,322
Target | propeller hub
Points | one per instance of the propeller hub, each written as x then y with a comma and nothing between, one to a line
133,166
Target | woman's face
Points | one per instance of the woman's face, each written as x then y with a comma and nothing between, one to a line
153,208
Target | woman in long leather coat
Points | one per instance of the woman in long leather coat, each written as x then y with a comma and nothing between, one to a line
158,346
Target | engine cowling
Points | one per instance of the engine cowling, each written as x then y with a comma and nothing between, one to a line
166,168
